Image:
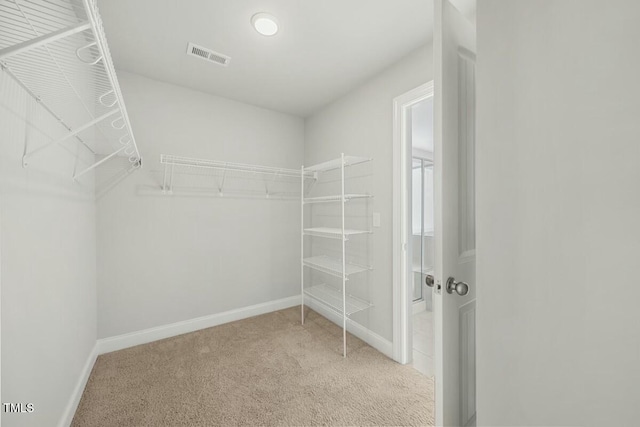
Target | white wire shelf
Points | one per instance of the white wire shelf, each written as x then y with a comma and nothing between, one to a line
221,177
333,266
333,233
332,298
337,163
56,50
230,166
336,198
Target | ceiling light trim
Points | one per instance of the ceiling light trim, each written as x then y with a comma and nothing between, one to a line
265,24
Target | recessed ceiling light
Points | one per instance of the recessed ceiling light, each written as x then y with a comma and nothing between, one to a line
265,24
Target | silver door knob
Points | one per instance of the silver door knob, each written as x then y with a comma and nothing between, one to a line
429,280
461,288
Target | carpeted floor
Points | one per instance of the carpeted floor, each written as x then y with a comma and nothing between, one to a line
266,370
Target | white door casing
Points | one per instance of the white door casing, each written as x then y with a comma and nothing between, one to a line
454,138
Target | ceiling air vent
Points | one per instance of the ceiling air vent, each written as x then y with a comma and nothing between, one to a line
207,54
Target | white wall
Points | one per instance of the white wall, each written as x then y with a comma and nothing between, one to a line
361,124
48,263
166,259
558,203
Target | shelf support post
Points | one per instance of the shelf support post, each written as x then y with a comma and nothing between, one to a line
96,164
39,100
26,157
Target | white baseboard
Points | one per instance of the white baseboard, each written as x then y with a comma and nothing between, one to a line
419,307
70,410
119,342
381,344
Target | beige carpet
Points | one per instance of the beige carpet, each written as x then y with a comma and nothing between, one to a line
266,370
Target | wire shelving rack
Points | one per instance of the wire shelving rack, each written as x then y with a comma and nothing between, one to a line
337,300
217,178
57,51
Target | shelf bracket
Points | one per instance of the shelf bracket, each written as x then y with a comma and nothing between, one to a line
39,100
96,164
224,175
26,157
164,178
171,179
273,180
45,39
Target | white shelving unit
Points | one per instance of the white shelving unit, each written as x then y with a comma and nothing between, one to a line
336,299
58,53
218,173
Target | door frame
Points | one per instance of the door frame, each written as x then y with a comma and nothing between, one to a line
402,156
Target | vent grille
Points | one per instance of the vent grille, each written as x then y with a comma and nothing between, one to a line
207,54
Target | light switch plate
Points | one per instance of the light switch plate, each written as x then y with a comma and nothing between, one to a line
376,219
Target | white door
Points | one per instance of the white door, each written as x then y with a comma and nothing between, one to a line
558,212
454,132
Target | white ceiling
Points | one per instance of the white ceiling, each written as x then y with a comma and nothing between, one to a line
324,48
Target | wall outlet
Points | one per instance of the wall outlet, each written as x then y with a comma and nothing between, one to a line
376,219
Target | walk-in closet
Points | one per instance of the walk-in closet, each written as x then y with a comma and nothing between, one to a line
319,213
196,211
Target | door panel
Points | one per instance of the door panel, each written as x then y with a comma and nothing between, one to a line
558,212
454,126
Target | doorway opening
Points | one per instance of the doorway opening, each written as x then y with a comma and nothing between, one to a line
422,260
414,248
420,130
